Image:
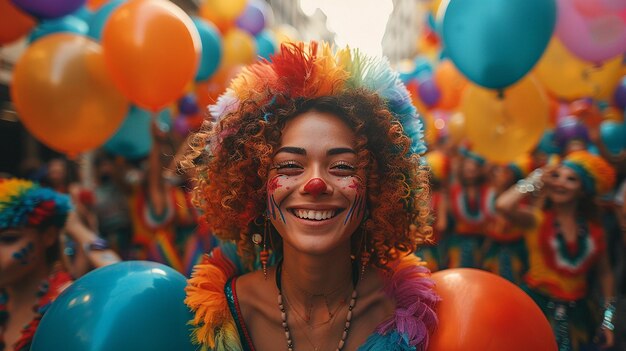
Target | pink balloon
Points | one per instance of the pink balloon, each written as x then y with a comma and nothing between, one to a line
597,37
594,8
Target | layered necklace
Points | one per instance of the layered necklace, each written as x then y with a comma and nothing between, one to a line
307,317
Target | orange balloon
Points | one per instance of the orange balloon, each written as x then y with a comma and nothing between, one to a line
503,128
64,96
451,84
483,311
456,128
13,22
239,48
223,24
152,50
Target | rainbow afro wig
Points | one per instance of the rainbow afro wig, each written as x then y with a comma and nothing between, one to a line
597,175
24,203
315,70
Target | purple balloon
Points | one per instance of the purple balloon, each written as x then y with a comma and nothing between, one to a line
181,125
570,128
429,92
188,105
252,20
619,97
48,8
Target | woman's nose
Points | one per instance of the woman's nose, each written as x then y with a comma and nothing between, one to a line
315,186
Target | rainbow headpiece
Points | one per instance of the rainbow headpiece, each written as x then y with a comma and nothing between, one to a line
439,165
597,175
316,70
522,166
24,203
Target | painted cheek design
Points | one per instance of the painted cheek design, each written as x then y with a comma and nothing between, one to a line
23,255
272,206
358,206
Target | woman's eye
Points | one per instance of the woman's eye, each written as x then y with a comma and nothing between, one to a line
8,239
287,166
343,167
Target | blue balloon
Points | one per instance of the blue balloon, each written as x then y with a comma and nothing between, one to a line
266,44
494,43
127,306
212,50
134,140
66,24
613,136
101,16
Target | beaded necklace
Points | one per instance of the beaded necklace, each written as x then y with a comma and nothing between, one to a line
283,311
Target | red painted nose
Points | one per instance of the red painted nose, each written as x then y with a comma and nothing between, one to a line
315,186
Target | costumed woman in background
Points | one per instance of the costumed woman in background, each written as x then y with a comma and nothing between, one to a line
314,158
31,273
505,251
468,199
566,243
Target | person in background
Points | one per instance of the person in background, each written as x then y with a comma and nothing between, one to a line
468,198
32,274
505,250
566,244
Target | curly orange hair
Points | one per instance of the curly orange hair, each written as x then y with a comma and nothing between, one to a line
232,158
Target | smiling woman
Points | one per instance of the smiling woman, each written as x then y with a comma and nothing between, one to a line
310,173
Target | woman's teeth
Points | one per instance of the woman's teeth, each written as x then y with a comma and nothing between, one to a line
315,215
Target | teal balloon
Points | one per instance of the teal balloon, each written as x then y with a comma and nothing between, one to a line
266,44
613,136
99,19
127,306
65,24
494,43
212,49
133,140
83,13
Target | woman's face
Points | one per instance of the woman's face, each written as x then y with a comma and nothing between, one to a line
22,251
471,171
315,193
564,185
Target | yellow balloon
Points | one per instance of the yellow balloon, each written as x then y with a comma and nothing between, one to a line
503,128
225,9
456,128
568,77
239,48
64,96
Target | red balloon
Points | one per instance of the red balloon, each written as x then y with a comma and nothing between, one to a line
483,311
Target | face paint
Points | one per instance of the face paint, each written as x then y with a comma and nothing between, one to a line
359,201
272,206
23,255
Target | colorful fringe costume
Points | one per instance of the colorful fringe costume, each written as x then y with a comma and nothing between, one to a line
173,238
558,273
220,327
